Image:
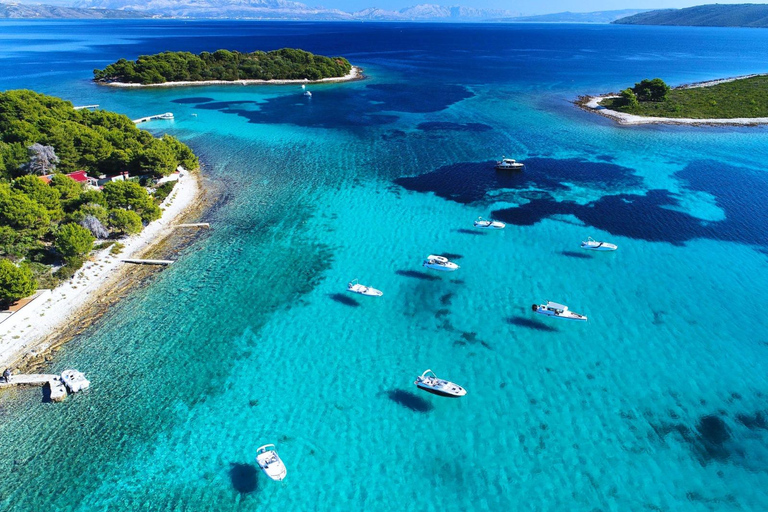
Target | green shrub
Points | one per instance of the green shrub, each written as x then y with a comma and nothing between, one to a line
73,242
15,282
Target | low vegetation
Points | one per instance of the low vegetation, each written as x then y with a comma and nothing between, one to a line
285,64
746,97
48,221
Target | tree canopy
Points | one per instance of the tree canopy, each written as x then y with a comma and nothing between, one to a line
284,64
651,90
15,282
40,134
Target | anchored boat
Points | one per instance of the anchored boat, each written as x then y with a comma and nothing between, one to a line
508,164
489,224
555,310
307,94
429,382
440,263
593,245
355,287
75,381
269,462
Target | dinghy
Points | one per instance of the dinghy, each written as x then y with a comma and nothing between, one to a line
269,462
356,287
489,224
593,245
440,263
555,310
429,382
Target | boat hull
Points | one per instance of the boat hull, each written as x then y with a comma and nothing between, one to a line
604,247
365,290
568,316
510,167
441,268
439,392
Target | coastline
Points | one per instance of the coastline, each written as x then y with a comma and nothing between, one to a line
355,73
592,104
41,325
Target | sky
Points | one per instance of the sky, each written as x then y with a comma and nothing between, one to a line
524,7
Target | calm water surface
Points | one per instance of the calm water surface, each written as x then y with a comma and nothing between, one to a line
657,403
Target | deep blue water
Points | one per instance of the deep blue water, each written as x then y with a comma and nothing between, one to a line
657,403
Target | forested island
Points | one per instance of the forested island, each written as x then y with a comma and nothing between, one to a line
721,99
712,15
49,220
223,65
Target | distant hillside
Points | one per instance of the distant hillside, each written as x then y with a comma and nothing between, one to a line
714,15
53,11
576,17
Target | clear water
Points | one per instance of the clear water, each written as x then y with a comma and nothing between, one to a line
657,403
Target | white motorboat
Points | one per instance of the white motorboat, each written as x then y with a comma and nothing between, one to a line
269,462
555,310
303,86
429,382
355,287
75,381
593,245
307,94
489,224
508,164
167,115
440,263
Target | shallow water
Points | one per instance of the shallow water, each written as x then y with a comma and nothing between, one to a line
657,403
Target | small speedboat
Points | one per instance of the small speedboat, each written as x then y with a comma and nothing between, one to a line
75,381
555,310
269,462
489,224
307,94
429,382
440,263
508,164
593,245
356,287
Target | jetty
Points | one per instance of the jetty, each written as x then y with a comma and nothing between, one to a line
167,115
139,261
89,107
194,225
58,391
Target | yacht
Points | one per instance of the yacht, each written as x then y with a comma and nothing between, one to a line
555,310
429,382
307,94
355,287
74,380
593,245
508,164
489,224
269,462
167,115
440,263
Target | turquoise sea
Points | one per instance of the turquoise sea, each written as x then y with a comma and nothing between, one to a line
658,403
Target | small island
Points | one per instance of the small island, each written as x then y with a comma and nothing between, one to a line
734,101
225,67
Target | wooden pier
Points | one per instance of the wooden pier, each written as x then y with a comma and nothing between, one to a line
167,115
89,107
146,262
57,390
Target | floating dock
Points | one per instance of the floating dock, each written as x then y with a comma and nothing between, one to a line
146,262
167,115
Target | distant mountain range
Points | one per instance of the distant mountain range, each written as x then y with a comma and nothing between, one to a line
290,10
714,15
55,11
576,17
